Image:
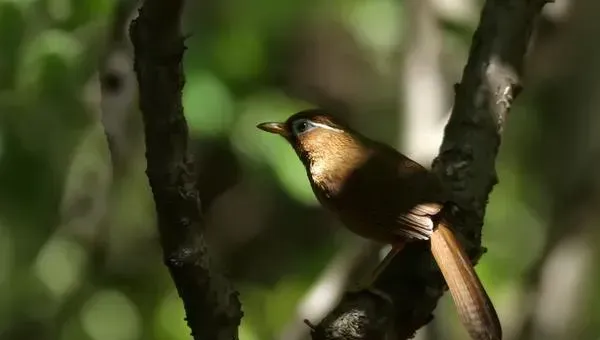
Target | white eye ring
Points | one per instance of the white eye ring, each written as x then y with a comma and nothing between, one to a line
301,126
304,125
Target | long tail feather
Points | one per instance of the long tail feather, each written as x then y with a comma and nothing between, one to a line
472,302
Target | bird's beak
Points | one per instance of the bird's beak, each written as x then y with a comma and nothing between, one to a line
278,128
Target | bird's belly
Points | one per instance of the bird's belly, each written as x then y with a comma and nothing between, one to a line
356,218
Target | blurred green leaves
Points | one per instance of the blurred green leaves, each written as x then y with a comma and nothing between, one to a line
111,315
48,43
211,110
260,146
269,309
377,27
12,27
209,106
375,23
6,256
234,64
60,265
78,248
506,216
170,318
60,10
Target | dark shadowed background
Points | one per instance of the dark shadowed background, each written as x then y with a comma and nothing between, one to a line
79,255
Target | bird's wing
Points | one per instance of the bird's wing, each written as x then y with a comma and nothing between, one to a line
417,222
419,196
392,193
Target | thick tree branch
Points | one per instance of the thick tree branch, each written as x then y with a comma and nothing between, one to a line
212,306
466,163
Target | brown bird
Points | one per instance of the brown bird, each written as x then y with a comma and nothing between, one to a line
382,195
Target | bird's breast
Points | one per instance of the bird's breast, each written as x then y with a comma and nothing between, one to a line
351,210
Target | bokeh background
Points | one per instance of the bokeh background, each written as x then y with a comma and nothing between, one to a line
79,257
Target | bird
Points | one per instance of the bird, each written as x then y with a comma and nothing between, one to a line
382,195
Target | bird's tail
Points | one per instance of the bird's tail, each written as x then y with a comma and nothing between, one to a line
472,302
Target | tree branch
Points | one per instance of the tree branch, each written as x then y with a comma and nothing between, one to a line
466,164
212,306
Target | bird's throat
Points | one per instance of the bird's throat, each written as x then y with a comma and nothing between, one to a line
329,174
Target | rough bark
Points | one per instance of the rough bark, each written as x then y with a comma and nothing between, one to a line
490,82
212,307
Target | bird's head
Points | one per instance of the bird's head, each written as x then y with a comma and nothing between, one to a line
316,136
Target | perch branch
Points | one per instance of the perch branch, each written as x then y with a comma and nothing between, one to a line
212,307
490,82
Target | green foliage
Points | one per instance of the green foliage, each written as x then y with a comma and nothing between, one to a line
271,149
208,104
79,257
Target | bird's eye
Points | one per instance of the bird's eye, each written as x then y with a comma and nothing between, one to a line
301,126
